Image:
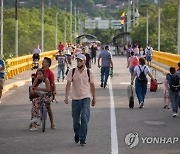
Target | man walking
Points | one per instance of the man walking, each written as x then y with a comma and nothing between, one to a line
82,89
62,60
106,63
2,76
93,53
149,53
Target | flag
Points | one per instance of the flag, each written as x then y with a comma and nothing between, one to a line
122,18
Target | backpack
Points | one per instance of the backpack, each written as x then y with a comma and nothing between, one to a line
174,83
142,77
148,51
88,72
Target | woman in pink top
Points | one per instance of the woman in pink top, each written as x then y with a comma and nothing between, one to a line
132,63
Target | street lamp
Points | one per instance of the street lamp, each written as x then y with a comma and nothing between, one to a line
16,27
71,21
159,26
65,27
147,25
2,19
178,43
75,24
56,20
42,28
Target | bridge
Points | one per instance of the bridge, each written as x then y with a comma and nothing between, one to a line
113,127
111,119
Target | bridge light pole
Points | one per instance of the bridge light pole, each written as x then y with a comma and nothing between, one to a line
178,43
159,26
147,25
75,23
56,23
16,27
2,32
42,28
71,21
65,27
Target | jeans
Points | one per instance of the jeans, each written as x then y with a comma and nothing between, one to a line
104,74
131,70
61,69
141,89
93,57
174,97
81,115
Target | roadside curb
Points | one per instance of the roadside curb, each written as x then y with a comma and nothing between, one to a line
160,69
6,88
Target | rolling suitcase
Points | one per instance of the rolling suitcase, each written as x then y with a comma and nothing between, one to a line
153,85
130,92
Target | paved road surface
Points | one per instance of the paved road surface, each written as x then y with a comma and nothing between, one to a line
108,126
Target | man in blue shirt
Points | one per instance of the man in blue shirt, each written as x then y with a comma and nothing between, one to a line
2,76
106,63
62,60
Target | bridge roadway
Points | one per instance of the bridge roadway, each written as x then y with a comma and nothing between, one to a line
104,136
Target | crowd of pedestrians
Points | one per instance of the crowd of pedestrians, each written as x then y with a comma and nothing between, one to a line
80,81
136,62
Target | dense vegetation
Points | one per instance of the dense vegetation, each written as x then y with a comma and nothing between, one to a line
30,29
169,16
30,24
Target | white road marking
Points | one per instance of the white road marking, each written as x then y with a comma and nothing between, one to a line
114,140
128,83
60,82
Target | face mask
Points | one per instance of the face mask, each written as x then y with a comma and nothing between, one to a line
79,67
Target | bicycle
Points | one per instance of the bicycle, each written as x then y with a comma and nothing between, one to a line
43,109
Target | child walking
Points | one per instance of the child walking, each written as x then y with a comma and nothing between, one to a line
166,95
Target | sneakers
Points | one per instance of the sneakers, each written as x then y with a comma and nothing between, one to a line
57,79
33,129
166,107
82,142
101,84
141,105
76,138
174,115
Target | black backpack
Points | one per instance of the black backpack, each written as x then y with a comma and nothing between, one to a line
142,77
88,72
174,83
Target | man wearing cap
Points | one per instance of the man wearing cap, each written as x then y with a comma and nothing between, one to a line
83,89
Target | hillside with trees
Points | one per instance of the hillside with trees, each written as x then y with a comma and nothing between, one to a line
30,24
169,22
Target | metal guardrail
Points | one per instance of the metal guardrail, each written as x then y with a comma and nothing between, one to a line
24,63
168,59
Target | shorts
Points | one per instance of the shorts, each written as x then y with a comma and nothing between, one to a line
149,58
166,94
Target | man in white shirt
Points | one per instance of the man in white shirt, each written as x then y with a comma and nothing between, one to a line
149,52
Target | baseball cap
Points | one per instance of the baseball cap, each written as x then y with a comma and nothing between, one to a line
81,57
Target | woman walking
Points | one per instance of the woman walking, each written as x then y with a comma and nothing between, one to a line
140,72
